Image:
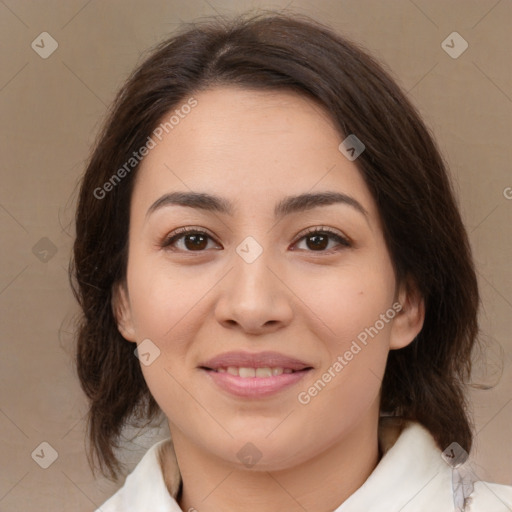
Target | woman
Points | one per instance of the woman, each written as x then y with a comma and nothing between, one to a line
269,252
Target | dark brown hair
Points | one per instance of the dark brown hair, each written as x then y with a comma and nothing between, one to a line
401,166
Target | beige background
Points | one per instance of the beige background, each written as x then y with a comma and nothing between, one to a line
52,108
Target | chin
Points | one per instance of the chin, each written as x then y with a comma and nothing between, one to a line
259,453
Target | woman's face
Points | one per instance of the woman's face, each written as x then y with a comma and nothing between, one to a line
292,294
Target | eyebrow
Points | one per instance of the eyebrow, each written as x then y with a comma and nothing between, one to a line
286,206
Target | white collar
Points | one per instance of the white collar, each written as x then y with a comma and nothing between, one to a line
411,476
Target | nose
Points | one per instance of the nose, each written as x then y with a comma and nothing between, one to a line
254,297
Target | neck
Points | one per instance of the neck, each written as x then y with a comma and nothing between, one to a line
321,484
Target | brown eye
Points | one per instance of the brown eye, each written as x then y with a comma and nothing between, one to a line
317,240
195,241
191,240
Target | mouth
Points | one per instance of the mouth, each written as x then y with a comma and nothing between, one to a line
247,372
254,375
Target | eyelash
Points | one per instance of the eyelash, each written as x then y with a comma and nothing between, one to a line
182,232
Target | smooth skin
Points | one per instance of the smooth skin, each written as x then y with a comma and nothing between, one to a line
304,297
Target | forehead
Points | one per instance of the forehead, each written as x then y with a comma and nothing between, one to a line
249,145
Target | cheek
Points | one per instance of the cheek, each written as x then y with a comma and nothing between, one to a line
167,309
163,298
349,382
344,301
355,308
339,403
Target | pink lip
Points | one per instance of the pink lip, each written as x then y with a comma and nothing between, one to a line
254,387
254,360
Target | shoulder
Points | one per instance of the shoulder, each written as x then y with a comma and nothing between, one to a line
490,497
144,488
461,485
413,476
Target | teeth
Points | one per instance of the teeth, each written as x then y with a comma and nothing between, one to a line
263,372
246,372
254,372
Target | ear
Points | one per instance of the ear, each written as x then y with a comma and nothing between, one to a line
122,311
409,320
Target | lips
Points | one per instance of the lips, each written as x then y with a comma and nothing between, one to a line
255,376
254,360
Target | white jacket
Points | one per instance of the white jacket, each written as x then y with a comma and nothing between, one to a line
411,476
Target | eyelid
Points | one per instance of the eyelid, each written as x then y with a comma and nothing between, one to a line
180,232
323,229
